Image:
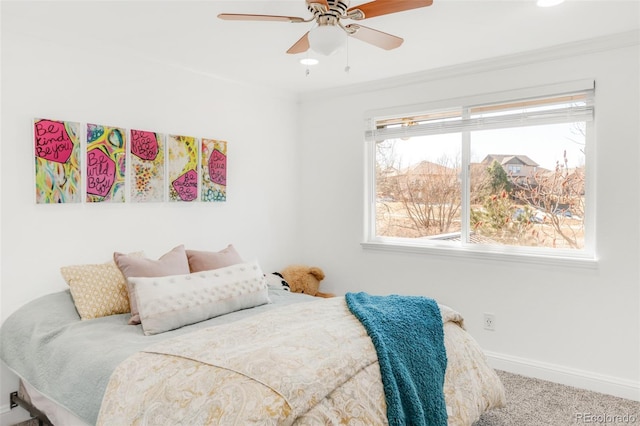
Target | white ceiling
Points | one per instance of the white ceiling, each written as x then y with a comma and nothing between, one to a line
188,34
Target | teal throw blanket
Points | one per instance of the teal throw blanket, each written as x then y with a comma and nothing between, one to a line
409,340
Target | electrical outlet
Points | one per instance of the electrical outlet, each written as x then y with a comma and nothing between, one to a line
489,322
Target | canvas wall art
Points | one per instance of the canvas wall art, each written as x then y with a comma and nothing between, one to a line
70,169
106,158
57,161
214,170
182,163
147,171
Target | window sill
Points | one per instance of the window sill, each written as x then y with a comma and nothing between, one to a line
584,262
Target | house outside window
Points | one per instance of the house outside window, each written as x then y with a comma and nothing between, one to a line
509,176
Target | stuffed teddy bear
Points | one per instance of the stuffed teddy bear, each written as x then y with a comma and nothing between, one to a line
304,279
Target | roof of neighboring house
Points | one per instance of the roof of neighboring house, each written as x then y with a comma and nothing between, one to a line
427,168
389,171
510,159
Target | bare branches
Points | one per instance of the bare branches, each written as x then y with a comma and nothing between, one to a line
559,195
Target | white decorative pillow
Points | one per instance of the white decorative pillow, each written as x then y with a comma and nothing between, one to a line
167,303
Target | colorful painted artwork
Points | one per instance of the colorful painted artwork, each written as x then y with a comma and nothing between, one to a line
214,170
106,154
57,157
147,166
183,167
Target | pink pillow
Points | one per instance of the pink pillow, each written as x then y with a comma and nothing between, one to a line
208,260
173,263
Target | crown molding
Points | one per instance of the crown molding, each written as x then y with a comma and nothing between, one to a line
561,51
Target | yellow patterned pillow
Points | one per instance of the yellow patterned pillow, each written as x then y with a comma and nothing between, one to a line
97,290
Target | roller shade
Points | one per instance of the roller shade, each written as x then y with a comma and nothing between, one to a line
564,108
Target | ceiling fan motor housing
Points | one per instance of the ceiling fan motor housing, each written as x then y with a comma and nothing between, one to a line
337,8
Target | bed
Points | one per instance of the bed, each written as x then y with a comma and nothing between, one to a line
293,359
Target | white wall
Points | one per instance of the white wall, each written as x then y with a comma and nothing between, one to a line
49,80
573,325
40,79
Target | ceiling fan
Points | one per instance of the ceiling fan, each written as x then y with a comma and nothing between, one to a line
329,33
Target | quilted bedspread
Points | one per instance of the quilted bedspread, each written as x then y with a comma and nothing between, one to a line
305,364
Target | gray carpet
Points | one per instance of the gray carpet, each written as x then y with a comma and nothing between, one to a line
541,403
32,422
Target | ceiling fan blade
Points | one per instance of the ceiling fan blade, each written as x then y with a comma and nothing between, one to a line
301,45
385,7
377,38
247,17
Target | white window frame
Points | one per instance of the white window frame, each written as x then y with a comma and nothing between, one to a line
584,258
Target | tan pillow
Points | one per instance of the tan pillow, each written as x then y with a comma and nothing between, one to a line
97,290
209,260
172,263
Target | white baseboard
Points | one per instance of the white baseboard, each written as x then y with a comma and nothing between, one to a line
602,383
9,416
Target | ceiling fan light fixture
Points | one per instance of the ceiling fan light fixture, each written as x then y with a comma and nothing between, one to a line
309,61
327,39
549,3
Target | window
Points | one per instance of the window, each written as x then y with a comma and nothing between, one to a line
506,176
514,168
